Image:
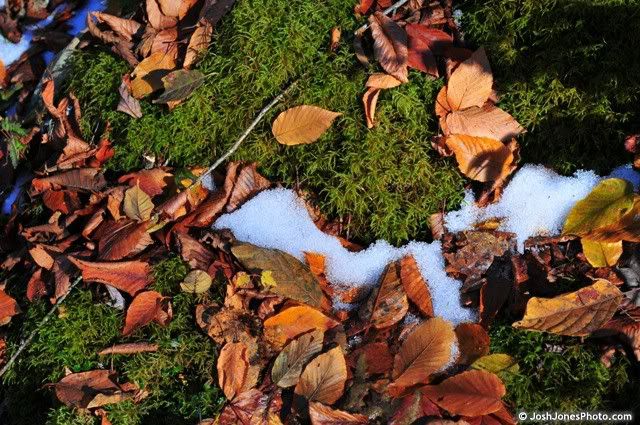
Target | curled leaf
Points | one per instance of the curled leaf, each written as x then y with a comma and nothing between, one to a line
289,363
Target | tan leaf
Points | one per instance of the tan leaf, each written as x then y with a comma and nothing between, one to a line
42,256
251,408
147,307
128,276
415,286
8,307
334,42
288,365
389,45
233,369
425,351
157,18
574,314
247,183
175,8
127,103
369,102
130,348
293,279
480,158
125,28
196,282
193,252
198,43
137,205
302,124
147,76
471,82
324,415
487,121
295,321
498,363
473,342
471,393
380,80
442,103
601,254
324,378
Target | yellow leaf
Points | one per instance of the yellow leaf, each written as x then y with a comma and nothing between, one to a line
196,282
480,158
602,254
267,280
137,204
498,363
574,314
605,205
242,280
147,76
302,124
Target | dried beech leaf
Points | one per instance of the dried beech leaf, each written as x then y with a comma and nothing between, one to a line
157,19
471,82
471,393
147,76
415,406
128,276
137,205
123,239
125,28
80,389
127,103
233,369
8,307
497,363
473,342
390,45
152,181
147,307
601,254
415,286
324,415
130,348
425,351
294,321
288,365
198,43
302,124
480,158
324,378
90,179
196,282
442,104
388,304
574,314
380,80
369,102
488,121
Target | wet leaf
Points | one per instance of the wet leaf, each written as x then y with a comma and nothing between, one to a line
324,415
147,307
388,304
196,282
415,286
302,124
137,205
323,379
574,314
289,363
471,82
480,158
389,45
295,321
179,84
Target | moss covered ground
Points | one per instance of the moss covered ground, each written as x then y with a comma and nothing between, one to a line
566,69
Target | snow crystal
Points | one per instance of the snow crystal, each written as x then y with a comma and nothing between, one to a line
535,202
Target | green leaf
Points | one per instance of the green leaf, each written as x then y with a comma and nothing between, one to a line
293,279
179,84
605,205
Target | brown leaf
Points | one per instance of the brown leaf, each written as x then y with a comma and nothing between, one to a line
122,239
137,205
36,287
390,45
288,365
127,103
413,407
147,76
130,348
473,342
334,42
8,307
424,43
388,304
234,370
369,102
42,256
302,124
488,121
294,321
380,80
147,307
198,43
176,9
89,179
324,415
471,82
248,183
252,408
196,254
128,276
293,279
471,393
152,182
80,389
324,378
415,286
229,325
574,314
628,329
65,201
157,19
376,355
125,28
480,158
442,103
425,351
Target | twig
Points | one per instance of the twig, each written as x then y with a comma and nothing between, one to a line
33,334
246,133
387,11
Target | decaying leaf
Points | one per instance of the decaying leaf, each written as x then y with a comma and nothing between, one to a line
414,406
147,307
288,365
324,378
89,179
388,304
179,84
196,282
471,82
574,314
390,45
137,205
294,321
471,393
480,158
324,415
302,124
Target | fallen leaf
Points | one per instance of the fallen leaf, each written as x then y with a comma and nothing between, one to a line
442,103
387,304
193,252
251,407
487,121
376,355
233,369
247,183
471,393
147,76
293,279
89,179
302,124
334,42
628,330
179,84
415,286
288,365
497,363
124,238
473,342
198,43
601,254
127,103
125,28
80,389
147,307
137,205
36,288
412,407
480,158
436,40
294,321
425,351
369,102
573,314
381,80
128,276
389,45
8,307
471,82
324,415
152,182
130,348
196,282
323,379
157,19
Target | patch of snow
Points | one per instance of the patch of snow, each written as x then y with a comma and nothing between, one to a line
10,52
78,22
627,173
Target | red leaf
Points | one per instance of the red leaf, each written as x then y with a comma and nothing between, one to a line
79,389
121,239
147,307
128,276
8,307
152,182
36,287
65,201
89,179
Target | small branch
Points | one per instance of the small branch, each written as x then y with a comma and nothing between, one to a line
387,11
246,133
33,334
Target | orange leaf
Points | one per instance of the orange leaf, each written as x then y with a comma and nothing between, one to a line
470,84
198,43
377,357
471,393
8,307
234,370
147,307
295,321
324,378
80,389
480,158
369,102
302,124
415,286
128,276
488,121
380,80
130,348
442,104
157,18
121,239
473,342
152,182
425,351
390,45
324,415
388,305
147,76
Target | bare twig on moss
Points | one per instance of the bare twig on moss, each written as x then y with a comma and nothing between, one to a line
23,346
246,133
389,10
